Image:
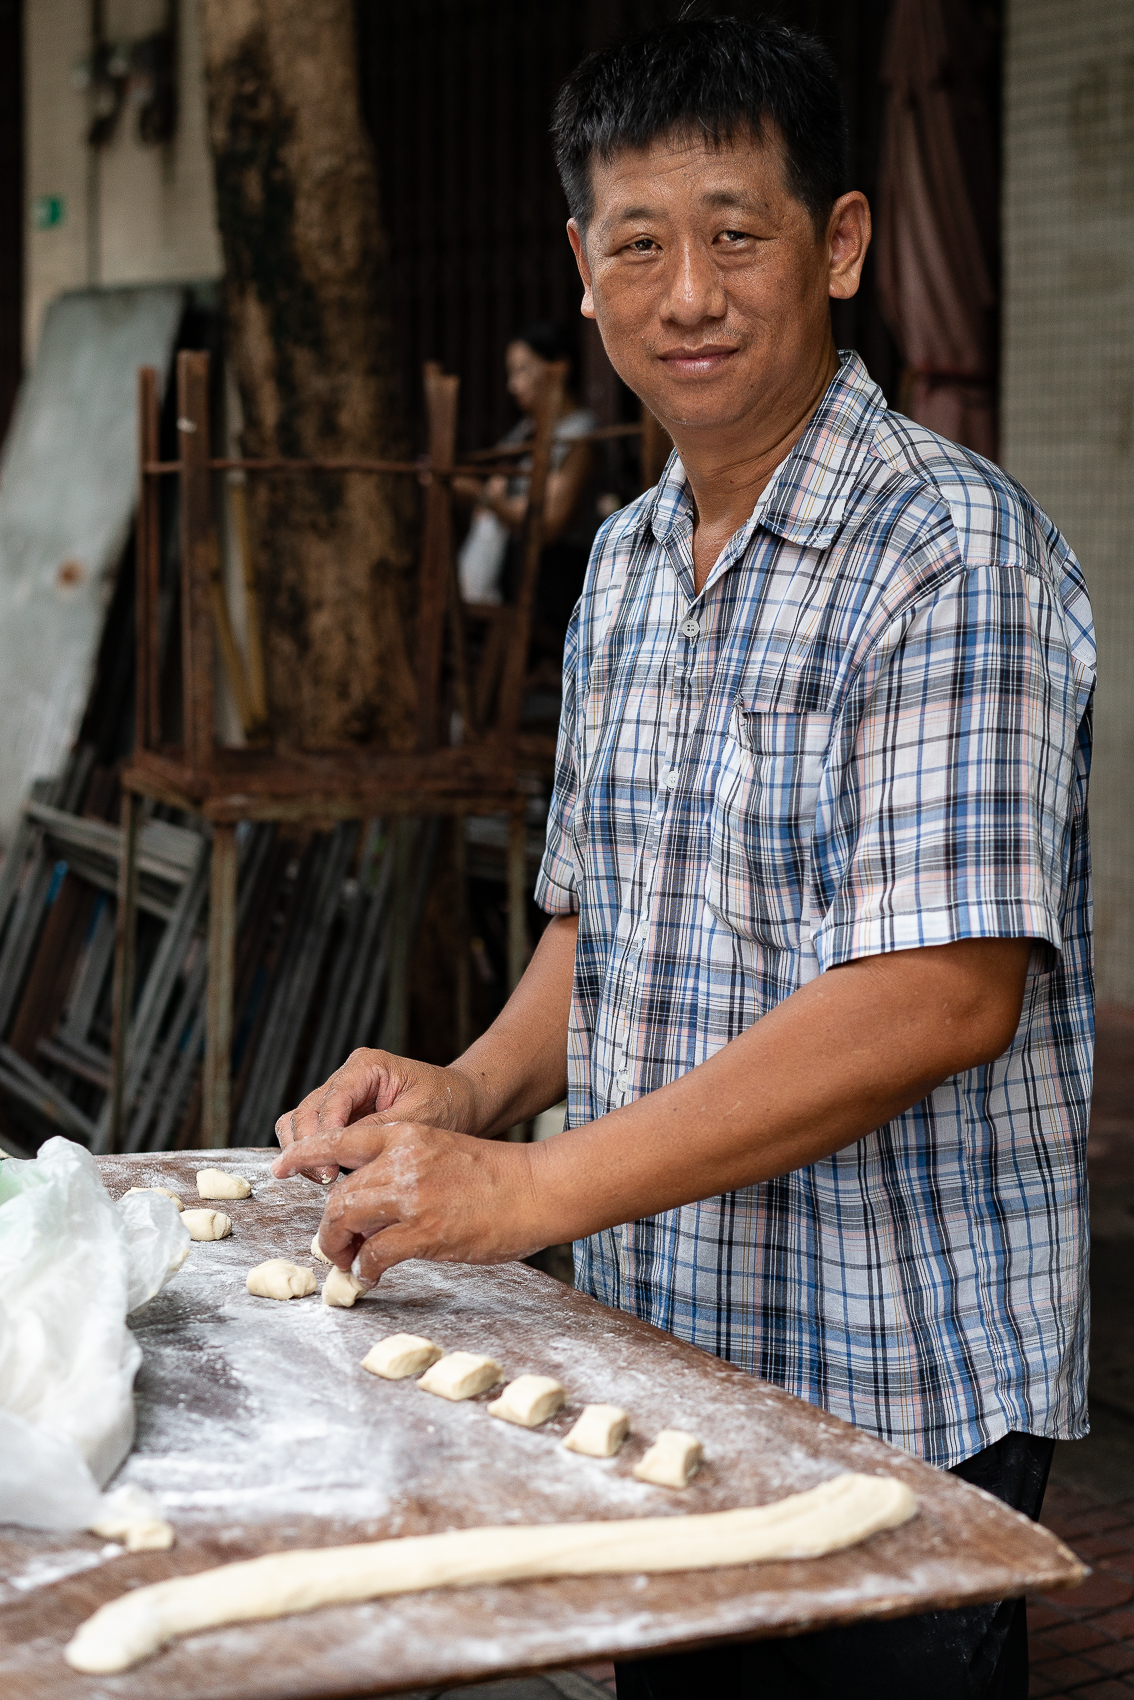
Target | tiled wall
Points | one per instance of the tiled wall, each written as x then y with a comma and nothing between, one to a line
1068,378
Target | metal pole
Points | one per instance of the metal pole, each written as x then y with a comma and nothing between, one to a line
395,1022
517,899
125,937
461,943
217,1085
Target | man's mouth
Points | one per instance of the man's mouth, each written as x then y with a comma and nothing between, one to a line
699,362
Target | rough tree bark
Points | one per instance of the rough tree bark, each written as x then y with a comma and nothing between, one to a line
305,274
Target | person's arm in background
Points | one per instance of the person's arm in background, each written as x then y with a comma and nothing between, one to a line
565,488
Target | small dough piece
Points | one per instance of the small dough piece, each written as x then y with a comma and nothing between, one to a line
317,1251
599,1432
828,1518
130,1515
461,1375
279,1279
672,1460
162,1189
207,1224
221,1183
399,1355
529,1400
341,1287
137,1534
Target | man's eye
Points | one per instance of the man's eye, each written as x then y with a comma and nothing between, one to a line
734,236
643,244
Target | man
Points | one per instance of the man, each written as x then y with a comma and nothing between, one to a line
818,974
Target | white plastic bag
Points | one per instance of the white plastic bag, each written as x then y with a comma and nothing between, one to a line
72,1265
480,560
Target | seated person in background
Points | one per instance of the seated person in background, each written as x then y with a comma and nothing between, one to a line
489,561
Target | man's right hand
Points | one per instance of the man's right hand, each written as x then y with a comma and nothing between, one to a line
375,1083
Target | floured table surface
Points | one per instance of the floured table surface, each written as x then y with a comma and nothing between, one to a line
258,1431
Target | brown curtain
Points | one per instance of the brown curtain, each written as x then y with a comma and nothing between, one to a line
937,213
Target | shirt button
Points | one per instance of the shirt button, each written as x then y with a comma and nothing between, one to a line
691,627
671,778
622,1080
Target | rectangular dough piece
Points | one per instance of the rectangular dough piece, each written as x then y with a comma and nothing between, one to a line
529,1400
279,1279
461,1375
672,1460
599,1432
342,1288
164,1190
221,1183
399,1355
207,1224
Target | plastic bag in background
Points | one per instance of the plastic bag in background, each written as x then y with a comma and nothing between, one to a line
73,1264
480,560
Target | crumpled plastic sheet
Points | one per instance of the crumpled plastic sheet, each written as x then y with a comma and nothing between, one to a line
73,1265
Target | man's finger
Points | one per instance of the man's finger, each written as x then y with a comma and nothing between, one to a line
360,1086
396,1244
348,1148
351,1216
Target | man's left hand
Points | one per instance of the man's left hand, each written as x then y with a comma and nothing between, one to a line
419,1191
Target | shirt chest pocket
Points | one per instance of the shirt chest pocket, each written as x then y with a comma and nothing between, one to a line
762,821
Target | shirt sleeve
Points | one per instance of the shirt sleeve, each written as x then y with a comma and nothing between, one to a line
948,796
557,890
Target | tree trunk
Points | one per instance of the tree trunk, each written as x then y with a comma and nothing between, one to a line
306,274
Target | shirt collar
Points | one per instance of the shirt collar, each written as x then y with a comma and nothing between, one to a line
805,500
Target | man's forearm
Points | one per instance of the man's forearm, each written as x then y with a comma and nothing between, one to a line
842,1056
519,1067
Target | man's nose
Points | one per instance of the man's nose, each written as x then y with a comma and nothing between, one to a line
694,289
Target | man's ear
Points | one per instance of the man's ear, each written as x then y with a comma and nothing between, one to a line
848,238
575,237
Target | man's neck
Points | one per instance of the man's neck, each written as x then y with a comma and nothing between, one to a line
729,471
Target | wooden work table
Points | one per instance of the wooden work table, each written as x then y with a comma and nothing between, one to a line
259,1432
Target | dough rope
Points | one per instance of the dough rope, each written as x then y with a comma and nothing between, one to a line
824,1519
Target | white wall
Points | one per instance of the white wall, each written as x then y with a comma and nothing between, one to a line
1068,379
133,214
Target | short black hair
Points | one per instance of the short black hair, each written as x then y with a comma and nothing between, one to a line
716,77
548,339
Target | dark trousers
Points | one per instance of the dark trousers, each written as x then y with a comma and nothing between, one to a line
976,1653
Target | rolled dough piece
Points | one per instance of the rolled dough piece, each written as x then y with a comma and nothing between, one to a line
529,1400
279,1279
461,1375
672,1460
131,1515
399,1355
599,1432
317,1251
137,1534
221,1183
827,1518
162,1189
207,1224
341,1287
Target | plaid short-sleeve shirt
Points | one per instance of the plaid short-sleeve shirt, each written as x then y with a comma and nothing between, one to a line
870,731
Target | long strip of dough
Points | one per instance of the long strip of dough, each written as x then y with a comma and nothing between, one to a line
834,1515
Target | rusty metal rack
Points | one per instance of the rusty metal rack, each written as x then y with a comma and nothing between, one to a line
225,786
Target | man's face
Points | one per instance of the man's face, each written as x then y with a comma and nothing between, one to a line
708,279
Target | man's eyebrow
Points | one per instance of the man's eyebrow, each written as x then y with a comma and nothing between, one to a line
713,198
732,198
